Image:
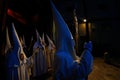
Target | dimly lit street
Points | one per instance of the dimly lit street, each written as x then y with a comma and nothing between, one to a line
103,71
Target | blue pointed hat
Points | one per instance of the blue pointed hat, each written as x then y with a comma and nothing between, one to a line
64,38
17,43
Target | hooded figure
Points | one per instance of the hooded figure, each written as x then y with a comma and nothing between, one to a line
8,57
67,65
12,61
39,60
22,40
8,54
18,60
42,40
50,52
24,69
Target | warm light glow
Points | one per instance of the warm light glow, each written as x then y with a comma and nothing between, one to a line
84,20
82,29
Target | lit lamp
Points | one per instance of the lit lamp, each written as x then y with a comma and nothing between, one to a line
82,27
87,29
84,20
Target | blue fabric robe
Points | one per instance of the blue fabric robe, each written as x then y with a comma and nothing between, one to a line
67,69
12,63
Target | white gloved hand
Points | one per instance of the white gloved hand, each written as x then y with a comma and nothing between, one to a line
77,60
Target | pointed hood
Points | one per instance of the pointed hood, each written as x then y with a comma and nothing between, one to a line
8,44
24,41
38,36
21,40
17,43
15,37
38,42
51,44
64,38
43,40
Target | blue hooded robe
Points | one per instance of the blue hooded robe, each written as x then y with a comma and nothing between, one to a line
12,61
67,65
66,68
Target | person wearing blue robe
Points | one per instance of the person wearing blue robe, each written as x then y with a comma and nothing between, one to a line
12,61
20,70
66,68
67,65
83,67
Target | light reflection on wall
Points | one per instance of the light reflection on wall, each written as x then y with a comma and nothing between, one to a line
82,29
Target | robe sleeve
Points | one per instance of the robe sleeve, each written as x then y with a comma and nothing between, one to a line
85,66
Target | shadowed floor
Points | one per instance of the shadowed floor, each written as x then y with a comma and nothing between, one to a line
103,71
